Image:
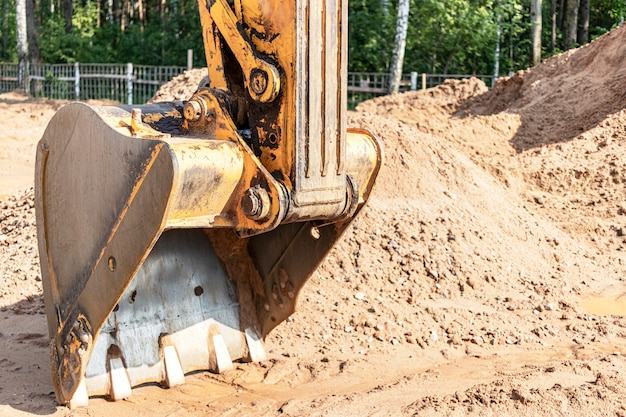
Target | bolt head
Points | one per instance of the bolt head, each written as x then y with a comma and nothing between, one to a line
192,111
258,80
255,203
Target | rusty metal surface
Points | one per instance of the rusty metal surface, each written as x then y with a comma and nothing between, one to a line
298,133
175,236
180,291
103,198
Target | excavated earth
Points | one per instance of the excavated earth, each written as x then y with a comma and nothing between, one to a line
484,278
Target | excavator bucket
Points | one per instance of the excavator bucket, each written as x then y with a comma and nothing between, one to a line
175,236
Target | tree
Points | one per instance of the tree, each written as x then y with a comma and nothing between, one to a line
496,52
68,10
369,36
442,37
553,26
385,6
535,31
22,44
31,28
583,24
571,30
397,59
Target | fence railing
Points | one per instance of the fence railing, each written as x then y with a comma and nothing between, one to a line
125,83
128,83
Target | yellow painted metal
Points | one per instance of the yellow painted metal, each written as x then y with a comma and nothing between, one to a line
187,230
300,138
103,198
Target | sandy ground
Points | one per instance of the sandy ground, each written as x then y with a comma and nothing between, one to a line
485,277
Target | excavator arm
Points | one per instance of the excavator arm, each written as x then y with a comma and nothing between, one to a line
175,236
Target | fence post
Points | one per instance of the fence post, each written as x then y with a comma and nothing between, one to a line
413,80
423,81
129,83
77,80
189,59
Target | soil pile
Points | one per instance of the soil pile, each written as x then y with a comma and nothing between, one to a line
553,133
458,290
181,87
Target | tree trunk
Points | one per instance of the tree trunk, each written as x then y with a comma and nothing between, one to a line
397,59
553,32
142,16
511,43
68,10
110,11
562,13
451,56
116,10
572,24
583,26
385,6
535,32
22,44
98,13
124,20
496,53
31,27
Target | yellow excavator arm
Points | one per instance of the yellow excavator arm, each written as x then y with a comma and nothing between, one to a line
174,236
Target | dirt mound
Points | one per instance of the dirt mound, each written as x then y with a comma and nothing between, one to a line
457,291
563,96
442,100
180,87
553,133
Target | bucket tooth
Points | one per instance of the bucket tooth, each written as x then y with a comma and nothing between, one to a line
80,397
174,374
255,346
120,384
219,357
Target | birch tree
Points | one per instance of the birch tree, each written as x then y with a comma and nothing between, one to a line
397,59
535,32
22,43
496,52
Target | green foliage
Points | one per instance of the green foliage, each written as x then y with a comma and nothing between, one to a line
515,36
456,36
605,15
370,35
161,41
8,39
451,36
55,45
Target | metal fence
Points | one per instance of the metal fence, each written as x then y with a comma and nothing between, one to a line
128,83
125,83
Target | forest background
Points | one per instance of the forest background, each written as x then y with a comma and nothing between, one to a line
443,37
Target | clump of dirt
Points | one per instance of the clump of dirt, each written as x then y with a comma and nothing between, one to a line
181,87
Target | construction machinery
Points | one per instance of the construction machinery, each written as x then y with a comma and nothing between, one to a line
174,236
